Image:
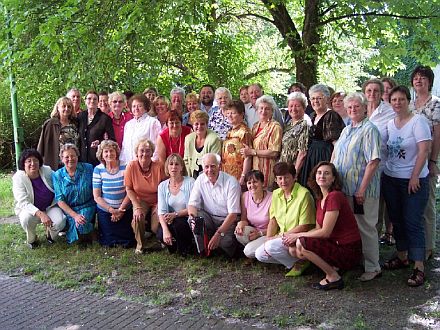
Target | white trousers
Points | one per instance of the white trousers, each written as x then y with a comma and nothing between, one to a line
275,252
29,223
250,246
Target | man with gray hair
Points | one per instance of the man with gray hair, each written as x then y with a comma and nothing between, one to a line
216,198
255,91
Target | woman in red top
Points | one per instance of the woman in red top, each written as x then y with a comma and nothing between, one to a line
172,139
335,243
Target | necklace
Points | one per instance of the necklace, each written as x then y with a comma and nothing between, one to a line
175,147
176,184
112,170
145,172
259,202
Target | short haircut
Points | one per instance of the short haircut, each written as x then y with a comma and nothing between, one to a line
173,115
91,92
199,115
64,100
150,90
373,81
192,97
257,85
28,153
102,93
424,71
178,90
174,157
337,94
268,100
243,87
161,98
74,89
283,168
140,98
222,90
142,142
238,105
114,95
358,97
389,80
320,88
311,182
68,146
298,96
107,144
402,89
209,86
254,174
217,157
299,85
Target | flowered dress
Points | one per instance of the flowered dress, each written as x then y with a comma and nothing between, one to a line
219,124
295,139
232,160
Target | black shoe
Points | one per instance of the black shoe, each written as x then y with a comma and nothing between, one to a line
339,284
49,239
33,245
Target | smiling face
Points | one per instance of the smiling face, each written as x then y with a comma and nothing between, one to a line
324,177
399,102
117,105
285,182
191,106
200,127
420,83
138,109
211,168
244,96
32,167
143,154
254,93
355,111
174,127
254,186
75,97
265,111
222,99
109,155
103,103
338,104
387,87
234,117
372,92
319,102
296,109
177,102
206,96
161,107
70,159
92,101
151,95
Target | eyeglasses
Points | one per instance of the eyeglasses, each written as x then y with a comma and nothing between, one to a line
318,98
117,101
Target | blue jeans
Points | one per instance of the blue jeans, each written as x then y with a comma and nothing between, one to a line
406,213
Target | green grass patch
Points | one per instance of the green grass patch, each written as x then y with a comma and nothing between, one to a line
6,198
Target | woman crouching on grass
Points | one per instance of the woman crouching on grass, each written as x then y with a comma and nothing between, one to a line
335,243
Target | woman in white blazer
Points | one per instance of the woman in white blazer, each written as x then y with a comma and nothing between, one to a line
34,197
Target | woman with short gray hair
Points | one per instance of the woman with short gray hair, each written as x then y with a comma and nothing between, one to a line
327,125
218,121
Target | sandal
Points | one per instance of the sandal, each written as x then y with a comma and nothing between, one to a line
417,278
396,263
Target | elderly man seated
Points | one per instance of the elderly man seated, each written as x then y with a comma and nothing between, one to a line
292,211
216,198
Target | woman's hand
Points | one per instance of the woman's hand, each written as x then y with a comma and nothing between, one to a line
117,214
94,144
360,197
167,237
289,239
79,219
45,219
246,151
169,217
413,185
254,234
239,228
138,214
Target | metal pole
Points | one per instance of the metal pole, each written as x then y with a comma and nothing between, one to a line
18,130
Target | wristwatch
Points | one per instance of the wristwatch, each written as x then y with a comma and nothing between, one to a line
176,214
221,234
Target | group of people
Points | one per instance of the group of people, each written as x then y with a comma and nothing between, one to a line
311,183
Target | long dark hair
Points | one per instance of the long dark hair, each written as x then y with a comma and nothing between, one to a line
336,185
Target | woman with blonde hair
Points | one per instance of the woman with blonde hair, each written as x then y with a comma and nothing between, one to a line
61,128
192,104
114,207
173,197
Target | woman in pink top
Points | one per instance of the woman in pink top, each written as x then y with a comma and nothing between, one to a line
255,205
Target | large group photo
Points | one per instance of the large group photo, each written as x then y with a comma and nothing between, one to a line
268,203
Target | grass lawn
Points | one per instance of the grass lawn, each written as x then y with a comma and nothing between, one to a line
6,198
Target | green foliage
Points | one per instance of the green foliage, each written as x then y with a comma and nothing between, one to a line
6,198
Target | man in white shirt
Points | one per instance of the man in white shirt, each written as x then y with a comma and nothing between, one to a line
216,198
